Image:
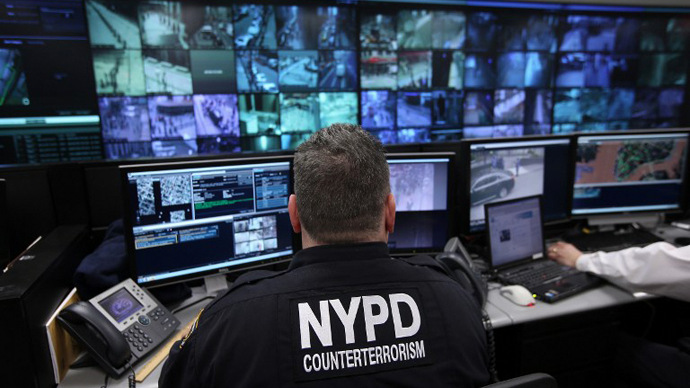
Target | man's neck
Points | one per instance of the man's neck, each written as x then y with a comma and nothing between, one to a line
309,242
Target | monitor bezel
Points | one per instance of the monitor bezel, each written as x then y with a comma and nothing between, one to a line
487,232
450,197
683,198
466,177
128,224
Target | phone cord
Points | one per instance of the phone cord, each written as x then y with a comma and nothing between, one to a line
491,343
132,378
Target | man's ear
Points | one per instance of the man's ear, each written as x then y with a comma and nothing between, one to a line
390,213
294,214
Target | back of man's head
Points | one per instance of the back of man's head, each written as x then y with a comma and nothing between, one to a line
341,184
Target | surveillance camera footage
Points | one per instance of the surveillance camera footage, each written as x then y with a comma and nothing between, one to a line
167,72
255,26
299,112
338,28
447,108
337,70
113,24
447,69
414,70
214,78
298,70
162,26
414,109
448,30
257,71
377,31
478,108
378,109
337,108
296,27
119,72
125,119
378,69
258,114
414,29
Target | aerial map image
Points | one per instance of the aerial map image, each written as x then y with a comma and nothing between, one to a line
626,161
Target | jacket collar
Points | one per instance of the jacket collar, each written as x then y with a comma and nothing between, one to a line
340,252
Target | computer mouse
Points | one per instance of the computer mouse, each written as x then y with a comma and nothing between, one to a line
518,295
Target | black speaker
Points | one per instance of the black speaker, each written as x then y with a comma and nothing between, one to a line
30,291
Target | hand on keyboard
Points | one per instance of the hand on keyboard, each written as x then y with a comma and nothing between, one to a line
563,253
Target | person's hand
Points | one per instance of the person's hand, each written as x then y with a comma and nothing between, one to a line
563,253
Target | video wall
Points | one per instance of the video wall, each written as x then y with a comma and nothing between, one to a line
186,78
179,78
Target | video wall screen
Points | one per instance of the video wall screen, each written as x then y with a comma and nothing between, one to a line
198,77
186,78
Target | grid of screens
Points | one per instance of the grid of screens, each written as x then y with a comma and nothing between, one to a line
189,222
503,170
641,172
438,75
184,78
190,78
419,184
196,77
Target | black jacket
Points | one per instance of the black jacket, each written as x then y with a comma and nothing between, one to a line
341,315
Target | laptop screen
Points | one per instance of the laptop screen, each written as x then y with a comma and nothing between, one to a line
515,231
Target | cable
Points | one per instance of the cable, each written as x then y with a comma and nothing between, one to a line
491,343
132,378
105,383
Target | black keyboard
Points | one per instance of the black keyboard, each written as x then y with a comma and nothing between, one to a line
612,240
535,274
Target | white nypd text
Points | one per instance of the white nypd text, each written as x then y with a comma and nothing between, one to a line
365,356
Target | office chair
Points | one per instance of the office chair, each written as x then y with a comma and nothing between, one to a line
534,380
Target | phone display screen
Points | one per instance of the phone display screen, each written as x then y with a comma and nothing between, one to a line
120,305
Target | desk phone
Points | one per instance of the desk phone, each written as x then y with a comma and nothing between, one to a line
119,326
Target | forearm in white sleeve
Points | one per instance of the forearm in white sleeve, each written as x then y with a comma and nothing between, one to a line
659,268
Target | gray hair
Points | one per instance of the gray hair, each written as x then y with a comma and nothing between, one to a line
341,183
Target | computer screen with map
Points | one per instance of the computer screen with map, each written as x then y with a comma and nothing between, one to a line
629,173
188,220
503,169
420,184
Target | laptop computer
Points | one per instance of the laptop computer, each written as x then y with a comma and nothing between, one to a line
515,238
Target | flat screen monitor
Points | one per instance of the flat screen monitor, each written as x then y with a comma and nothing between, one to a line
422,185
503,169
634,172
189,220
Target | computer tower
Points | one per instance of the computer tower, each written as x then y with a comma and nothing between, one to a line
30,291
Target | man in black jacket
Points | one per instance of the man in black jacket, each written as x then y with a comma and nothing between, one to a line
344,313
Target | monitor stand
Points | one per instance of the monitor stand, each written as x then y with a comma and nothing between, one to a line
215,284
605,222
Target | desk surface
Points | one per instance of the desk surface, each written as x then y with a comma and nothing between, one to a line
503,313
596,298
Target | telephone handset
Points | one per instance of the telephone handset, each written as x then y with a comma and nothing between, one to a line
457,259
119,326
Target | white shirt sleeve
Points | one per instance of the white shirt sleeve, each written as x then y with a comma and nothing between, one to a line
659,268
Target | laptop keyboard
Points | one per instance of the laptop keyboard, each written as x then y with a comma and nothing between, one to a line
535,275
612,241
